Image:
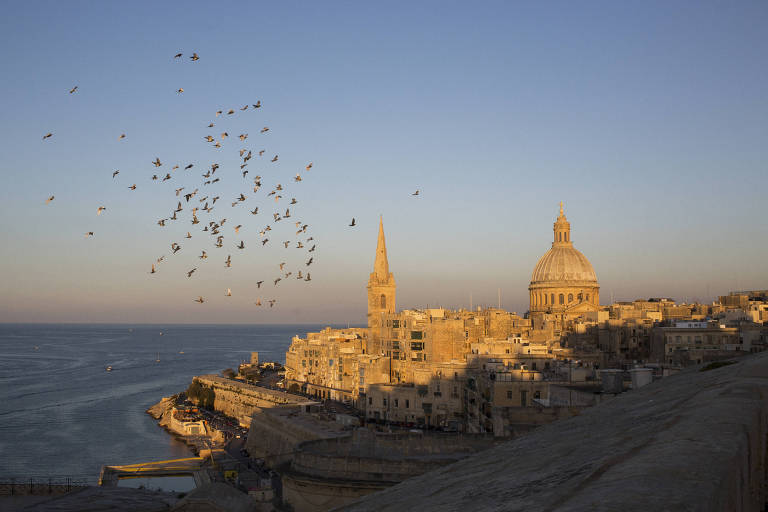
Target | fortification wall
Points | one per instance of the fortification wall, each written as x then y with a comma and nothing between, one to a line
240,400
693,441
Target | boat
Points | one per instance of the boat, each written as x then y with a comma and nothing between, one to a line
181,351
109,368
158,358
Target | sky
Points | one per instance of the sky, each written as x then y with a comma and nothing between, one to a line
649,120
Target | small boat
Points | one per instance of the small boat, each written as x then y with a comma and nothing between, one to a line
158,358
108,368
181,351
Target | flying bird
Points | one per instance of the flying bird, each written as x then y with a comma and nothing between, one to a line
47,135
308,278
278,280
189,274
210,125
189,235
229,293
272,302
157,163
353,222
188,167
100,209
274,159
228,261
310,261
258,284
258,302
49,200
309,166
132,187
88,233
194,57
230,112
121,137
244,108
415,193
258,104
242,245
153,269
237,228
203,256
115,173
72,90
177,56
180,90
199,299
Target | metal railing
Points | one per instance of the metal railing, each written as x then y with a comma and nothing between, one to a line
40,486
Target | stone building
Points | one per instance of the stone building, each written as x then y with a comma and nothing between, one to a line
563,283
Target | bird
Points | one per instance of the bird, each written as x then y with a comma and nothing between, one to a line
309,166
161,258
278,280
115,173
218,112
49,200
100,209
308,278
210,125
261,153
194,57
229,292
299,245
180,90
297,178
179,190
189,274
258,284
199,299
188,167
178,55
230,112
157,163
228,261
153,269
415,193
176,249
312,249
132,187
47,135
272,302
264,242
243,136
353,222
299,276
244,108
224,135
189,235
161,222
282,265
237,228
258,104
203,256
167,177
255,211
265,129
208,138
274,159
72,90
258,302
121,137
88,233
242,245
310,261
293,200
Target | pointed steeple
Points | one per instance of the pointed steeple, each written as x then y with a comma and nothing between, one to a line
381,265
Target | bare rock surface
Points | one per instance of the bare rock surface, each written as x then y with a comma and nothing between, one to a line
693,441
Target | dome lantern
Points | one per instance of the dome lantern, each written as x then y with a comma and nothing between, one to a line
562,229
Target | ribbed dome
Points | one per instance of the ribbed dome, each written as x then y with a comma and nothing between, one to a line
563,264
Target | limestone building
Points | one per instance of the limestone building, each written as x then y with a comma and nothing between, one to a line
563,283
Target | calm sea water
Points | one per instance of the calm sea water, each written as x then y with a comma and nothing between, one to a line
63,415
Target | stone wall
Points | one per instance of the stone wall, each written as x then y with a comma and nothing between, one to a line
697,440
240,400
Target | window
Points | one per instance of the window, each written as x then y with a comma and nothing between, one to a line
537,394
396,324
330,362
396,403
395,345
407,403
545,299
562,299
417,345
370,400
384,401
552,299
524,398
509,394
587,297
570,298
383,300
417,335
303,362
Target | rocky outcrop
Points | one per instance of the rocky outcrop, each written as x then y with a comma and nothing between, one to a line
694,441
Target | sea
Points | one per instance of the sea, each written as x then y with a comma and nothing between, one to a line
63,415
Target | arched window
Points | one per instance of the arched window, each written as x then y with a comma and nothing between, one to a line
562,299
570,298
383,301
587,297
552,299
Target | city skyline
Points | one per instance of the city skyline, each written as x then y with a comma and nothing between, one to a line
647,122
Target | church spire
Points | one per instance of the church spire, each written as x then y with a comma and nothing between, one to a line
562,229
381,265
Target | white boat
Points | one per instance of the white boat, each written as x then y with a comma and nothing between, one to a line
109,368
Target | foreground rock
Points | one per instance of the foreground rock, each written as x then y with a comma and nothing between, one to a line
694,441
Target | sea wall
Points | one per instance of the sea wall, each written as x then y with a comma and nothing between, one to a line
697,440
239,400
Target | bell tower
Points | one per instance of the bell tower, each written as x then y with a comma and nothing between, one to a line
381,287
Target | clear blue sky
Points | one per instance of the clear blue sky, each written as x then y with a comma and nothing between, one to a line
648,119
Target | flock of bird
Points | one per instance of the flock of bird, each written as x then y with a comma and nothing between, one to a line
189,199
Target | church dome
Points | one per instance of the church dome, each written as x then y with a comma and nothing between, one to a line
563,264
